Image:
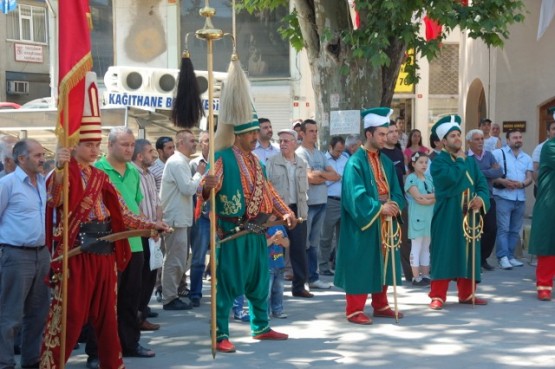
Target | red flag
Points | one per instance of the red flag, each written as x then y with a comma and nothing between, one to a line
75,59
433,28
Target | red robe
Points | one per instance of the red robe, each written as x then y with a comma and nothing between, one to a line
92,279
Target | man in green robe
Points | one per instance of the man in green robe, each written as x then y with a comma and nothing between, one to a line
243,195
542,237
370,194
460,187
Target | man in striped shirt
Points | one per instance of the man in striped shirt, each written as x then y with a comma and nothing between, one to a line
143,158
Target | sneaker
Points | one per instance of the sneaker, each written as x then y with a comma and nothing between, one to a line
281,315
158,295
242,316
515,262
505,264
318,284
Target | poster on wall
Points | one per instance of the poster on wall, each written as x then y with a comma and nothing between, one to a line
344,122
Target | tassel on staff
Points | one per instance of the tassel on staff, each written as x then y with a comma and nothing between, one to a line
187,106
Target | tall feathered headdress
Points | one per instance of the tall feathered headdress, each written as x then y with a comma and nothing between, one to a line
236,110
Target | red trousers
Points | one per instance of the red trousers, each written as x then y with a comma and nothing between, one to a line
91,298
545,272
355,303
439,287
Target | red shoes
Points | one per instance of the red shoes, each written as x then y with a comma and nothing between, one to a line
360,318
477,301
387,313
225,346
271,335
544,295
436,304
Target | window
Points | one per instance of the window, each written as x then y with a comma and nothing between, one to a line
27,23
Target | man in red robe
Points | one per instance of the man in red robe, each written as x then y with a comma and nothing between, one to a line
96,209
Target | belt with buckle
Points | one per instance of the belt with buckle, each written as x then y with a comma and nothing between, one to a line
33,248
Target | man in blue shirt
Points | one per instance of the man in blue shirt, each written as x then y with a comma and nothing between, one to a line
24,259
510,197
332,219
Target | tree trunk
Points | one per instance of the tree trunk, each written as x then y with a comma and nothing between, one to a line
340,81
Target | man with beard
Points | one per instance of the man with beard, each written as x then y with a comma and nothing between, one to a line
510,197
460,187
143,158
265,148
243,195
370,193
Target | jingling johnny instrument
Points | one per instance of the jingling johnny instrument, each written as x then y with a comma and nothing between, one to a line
391,240
473,227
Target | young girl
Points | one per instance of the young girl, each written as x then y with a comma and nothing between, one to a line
420,193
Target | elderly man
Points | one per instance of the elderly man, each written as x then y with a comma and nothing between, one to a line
510,197
460,187
24,259
352,143
265,148
490,142
178,188
287,172
126,178
6,156
491,170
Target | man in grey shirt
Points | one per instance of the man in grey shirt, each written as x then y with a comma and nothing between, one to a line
318,171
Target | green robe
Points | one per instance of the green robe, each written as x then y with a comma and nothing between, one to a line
359,261
542,236
449,251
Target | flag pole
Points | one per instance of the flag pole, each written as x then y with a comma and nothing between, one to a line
65,240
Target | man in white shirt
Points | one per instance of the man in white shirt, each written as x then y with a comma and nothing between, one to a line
200,233
510,197
332,219
265,148
490,142
176,193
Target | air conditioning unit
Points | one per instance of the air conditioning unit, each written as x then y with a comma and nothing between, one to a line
158,81
18,88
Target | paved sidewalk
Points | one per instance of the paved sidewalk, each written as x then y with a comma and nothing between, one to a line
514,331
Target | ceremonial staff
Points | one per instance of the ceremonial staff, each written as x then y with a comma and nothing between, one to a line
473,225
391,239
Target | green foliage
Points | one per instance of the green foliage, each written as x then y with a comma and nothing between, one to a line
387,23
291,31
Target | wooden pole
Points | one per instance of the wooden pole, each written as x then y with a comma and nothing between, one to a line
211,129
65,238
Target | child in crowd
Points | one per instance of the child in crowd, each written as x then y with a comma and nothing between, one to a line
277,240
420,193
